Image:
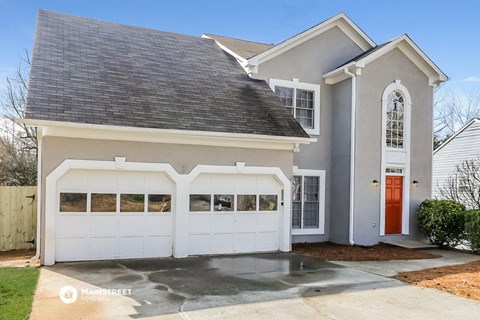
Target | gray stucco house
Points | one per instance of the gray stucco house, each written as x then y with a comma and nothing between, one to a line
155,144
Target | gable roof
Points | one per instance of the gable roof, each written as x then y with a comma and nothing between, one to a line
406,45
95,72
340,20
474,120
245,49
363,55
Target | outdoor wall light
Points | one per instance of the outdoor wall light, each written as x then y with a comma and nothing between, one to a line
375,183
415,183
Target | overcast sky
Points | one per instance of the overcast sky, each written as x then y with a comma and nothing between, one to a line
448,31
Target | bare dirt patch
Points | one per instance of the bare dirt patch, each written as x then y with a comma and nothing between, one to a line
462,280
382,252
12,255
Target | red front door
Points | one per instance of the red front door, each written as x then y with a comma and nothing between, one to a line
393,204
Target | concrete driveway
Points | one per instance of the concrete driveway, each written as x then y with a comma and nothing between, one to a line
262,286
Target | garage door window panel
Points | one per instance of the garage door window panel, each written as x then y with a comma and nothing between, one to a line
73,202
246,202
103,202
132,203
159,203
223,202
268,203
200,202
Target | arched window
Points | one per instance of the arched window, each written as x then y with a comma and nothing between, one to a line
395,120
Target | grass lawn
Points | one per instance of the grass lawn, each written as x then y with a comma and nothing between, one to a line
17,286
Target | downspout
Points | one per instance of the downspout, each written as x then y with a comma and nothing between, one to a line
352,155
38,240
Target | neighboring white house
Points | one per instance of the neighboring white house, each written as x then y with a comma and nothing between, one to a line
463,145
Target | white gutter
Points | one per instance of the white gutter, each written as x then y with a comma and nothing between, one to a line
38,240
352,155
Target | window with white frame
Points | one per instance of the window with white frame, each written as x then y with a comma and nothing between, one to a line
308,200
302,100
395,120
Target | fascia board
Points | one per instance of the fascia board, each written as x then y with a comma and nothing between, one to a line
340,20
105,132
411,50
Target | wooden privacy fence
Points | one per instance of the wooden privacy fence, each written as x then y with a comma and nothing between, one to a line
18,217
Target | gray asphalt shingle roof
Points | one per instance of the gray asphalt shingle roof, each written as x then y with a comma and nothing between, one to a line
244,48
96,72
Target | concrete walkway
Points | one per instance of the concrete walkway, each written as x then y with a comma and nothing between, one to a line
393,267
265,286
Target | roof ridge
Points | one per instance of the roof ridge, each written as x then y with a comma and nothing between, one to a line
45,11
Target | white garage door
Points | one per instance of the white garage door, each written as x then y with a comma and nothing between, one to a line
233,213
113,215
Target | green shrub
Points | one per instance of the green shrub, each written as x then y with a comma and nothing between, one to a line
472,229
443,221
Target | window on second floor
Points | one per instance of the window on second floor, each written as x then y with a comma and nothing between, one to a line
302,101
395,120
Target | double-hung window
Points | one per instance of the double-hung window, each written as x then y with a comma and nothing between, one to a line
302,100
308,205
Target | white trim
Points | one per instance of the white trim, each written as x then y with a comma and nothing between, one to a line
182,181
120,133
39,239
474,120
396,85
340,20
295,84
408,47
242,61
321,210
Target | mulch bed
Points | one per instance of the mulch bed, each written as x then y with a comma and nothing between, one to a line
328,251
462,280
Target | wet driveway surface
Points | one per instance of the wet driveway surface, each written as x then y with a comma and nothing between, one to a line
261,286
165,286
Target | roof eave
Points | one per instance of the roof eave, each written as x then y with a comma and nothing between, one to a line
436,77
362,39
73,129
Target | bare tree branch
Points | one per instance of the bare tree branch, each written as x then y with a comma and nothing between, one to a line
453,110
18,142
464,184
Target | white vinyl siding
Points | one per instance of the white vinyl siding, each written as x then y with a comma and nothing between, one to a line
464,146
